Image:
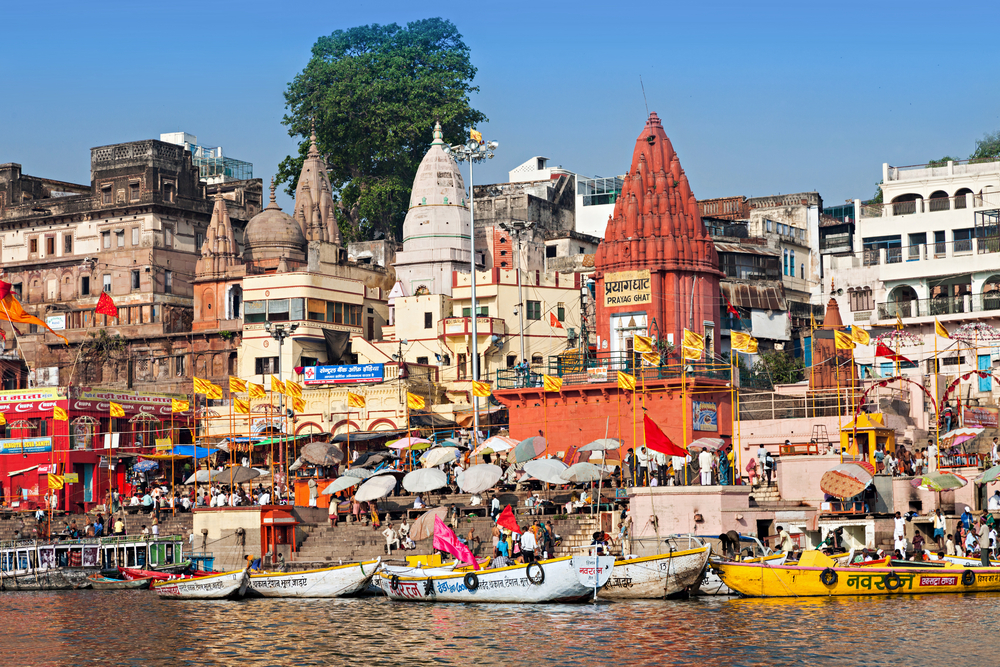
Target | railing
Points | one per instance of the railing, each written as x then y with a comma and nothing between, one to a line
734,323
960,460
604,368
920,205
941,305
924,251
771,405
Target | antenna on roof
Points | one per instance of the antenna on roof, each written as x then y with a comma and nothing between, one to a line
644,100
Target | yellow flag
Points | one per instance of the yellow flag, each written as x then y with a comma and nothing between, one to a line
293,389
116,410
860,336
201,386
298,405
256,390
3,419
277,385
940,330
414,402
651,358
843,340
551,383
642,344
741,341
236,385
476,136
812,321
241,406
56,481
59,414
355,400
480,389
899,321
179,406
692,346
626,381
214,391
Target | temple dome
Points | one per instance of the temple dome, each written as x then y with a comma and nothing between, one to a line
439,212
273,234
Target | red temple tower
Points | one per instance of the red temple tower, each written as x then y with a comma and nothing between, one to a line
657,262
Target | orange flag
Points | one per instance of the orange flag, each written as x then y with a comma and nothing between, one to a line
11,311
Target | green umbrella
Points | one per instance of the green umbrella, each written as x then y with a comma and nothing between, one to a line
943,481
991,475
527,449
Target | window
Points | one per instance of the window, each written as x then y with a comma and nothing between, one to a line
199,240
550,251
50,246
106,197
121,238
511,361
277,310
484,311
168,236
135,236
462,370
254,311
561,312
16,289
85,285
168,192
316,310
107,282
33,246
422,360
133,192
308,361
106,240
428,320
534,310
769,225
802,271
536,360
296,309
168,282
791,263
265,365
933,366
67,243
135,279
583,250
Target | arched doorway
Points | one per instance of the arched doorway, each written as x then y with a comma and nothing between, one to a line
938,201
991,293
902,302
905,204
960,199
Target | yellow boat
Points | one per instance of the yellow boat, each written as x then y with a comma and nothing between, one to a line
818,575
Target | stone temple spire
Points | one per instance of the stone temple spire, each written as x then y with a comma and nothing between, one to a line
314,207
219,251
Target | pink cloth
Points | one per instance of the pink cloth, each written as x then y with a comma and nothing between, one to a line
445,540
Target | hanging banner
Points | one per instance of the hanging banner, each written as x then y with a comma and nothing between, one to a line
343,374
164,444
627,288
704,416
985,417
28,445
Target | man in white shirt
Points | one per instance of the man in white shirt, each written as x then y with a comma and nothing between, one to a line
418,502
642,456
678,462
995,452
265,498
528,546
899,527
705,463
994,502
391,538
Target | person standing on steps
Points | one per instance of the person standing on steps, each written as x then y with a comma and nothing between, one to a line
705,464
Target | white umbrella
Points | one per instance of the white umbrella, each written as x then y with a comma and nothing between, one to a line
479,478
547,470
360,473
580,473
203,477
601,445
375,488
341,483
438,455
495,445
424,479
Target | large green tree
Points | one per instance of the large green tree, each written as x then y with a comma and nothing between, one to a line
374,93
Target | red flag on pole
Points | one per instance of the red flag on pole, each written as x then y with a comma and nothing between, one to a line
730,308
507,520
106,306
658,441
4,289
882,351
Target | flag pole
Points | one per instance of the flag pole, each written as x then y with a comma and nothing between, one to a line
684,443
937,403
840,426
635,386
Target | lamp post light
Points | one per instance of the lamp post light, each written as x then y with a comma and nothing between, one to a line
279,333
517,228
473,151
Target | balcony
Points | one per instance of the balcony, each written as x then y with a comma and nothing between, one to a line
462,326
734,324
942,305
892,209
836,243
604,368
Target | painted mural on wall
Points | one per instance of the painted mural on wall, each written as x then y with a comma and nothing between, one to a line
705,415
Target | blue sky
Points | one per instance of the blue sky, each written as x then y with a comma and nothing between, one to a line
757,99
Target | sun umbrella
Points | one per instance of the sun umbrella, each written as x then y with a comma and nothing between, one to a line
423,527
601,445
239,475
479,478
360,473
527,449
203,477
580,473
846,480
991,475
547,470
711,444
942,481
438,455
407,443
146,466
957,436
341,483
375,488
322,454
452,443
424,479
495,445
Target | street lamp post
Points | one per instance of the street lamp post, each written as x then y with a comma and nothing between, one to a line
472,152
280,333
518,227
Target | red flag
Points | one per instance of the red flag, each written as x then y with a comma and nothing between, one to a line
554,321
882,351
4,289
445,540
507,520
658,441
106,306
730,308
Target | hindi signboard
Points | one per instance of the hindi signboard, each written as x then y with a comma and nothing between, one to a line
343,374
976,416
627,288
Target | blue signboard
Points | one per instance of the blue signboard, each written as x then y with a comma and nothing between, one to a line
347,373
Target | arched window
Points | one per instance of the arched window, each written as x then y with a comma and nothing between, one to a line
905,204
938,201
960,201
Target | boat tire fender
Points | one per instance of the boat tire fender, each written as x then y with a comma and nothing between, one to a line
828,576
394,582
968,578
538,577
471,581
892,581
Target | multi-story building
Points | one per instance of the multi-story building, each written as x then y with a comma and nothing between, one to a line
212,165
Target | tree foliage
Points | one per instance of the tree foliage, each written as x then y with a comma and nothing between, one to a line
943,162
778,367
374,93
987,148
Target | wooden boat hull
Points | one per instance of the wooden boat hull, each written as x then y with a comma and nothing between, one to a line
562,580
763,580
330,582
652,577
51,579
213,587
106,584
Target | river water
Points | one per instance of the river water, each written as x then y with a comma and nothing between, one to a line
137,628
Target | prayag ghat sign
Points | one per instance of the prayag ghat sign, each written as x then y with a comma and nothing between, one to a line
627,288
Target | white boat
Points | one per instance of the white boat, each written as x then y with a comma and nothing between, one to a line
968,561
663,575
566,579
213,587
329,582
751,550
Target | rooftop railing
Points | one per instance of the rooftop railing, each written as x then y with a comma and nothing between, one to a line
940,305
969,200
604,368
